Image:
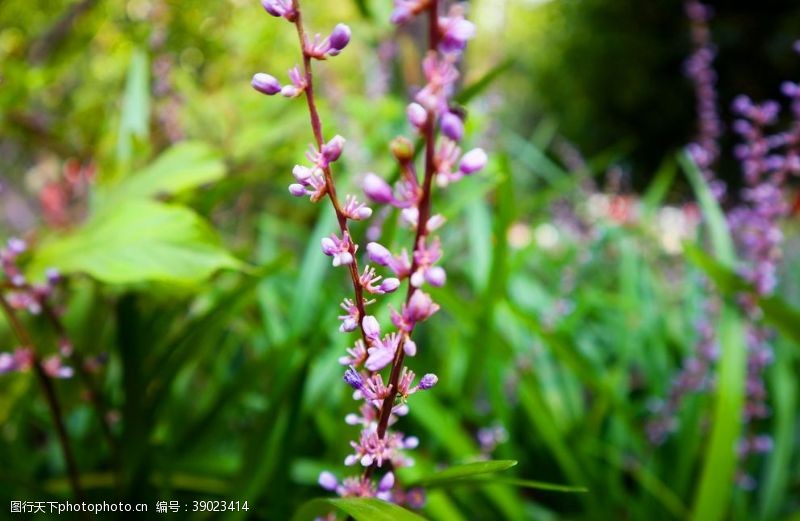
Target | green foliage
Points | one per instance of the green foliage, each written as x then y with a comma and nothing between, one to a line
201,280
360,509
137,241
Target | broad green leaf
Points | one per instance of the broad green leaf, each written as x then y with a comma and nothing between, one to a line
360,509
136,242
182,167
465,471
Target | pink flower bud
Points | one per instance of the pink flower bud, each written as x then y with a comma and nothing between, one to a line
428,381
290,91
417,115
328,481
348,324
332,150
372,329
266,84
378,254
362,213
389,285
420,307
377,189
301,173
387,482
340,37
379,357
436,276
410,347
452,126
297,190
473,161
328,246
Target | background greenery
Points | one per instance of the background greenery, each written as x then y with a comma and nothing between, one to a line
561,321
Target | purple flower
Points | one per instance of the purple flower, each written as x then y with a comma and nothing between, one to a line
377,189
328,481
420,307
410,347
473,161
332,150
339,38
455,31
428,381
266,84
379,357
372,329
452,126
379,254
298,85
436,276
417,115
353,378
280,8
337,248
297,190
7,363
389,285
53,276
16,246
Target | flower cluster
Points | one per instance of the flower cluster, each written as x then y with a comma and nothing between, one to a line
20,295
699,68
441,125
767,160
694,375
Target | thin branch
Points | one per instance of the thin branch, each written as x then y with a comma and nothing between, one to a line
52,400
419,238
316,126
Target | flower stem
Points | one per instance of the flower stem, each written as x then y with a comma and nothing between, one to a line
316,126
421,233
50,395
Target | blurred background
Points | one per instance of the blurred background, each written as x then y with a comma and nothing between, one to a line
136,158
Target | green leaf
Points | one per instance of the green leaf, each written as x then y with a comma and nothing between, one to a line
715,220
136,242
660,186
783,316
467,470
182,167
726,280
522,483
712,497
482,83
777,311
135,107
311,274
360,509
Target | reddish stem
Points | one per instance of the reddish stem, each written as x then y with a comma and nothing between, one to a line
420,236
316,126
50,395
